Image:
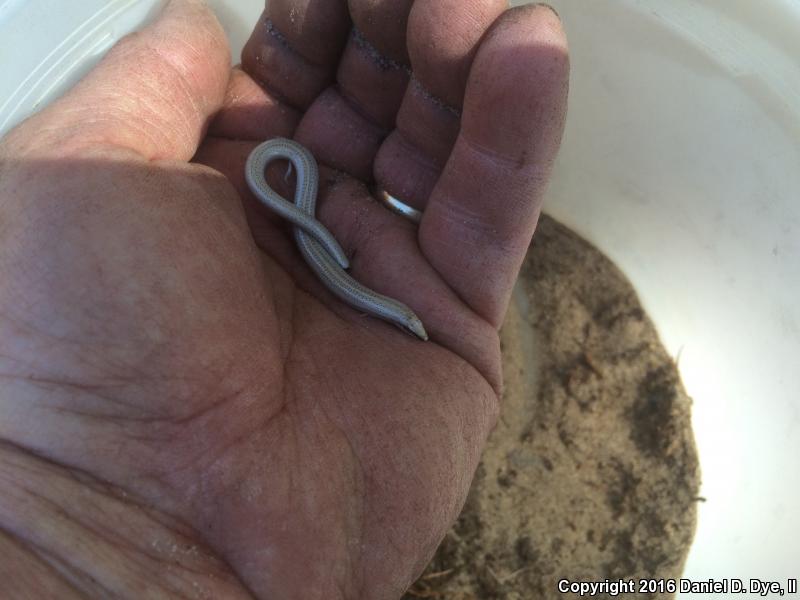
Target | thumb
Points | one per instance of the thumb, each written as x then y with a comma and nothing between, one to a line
153,93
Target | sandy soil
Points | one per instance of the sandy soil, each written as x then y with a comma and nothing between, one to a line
592,471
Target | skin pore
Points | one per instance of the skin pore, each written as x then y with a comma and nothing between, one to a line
184,410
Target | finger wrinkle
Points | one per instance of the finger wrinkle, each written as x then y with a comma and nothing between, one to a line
385,24
285,43
361,111
378,84
178,127
144,114
273,31
147,128
383,62
419,157
181,80
499,160
434,99
181,65
466,220
427,125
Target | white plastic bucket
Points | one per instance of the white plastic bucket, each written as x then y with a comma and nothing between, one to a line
681,161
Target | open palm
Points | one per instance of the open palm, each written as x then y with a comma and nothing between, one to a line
183,407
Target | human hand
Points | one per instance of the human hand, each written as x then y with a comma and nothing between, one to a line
183,409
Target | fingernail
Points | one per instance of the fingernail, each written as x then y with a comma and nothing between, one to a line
546,5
